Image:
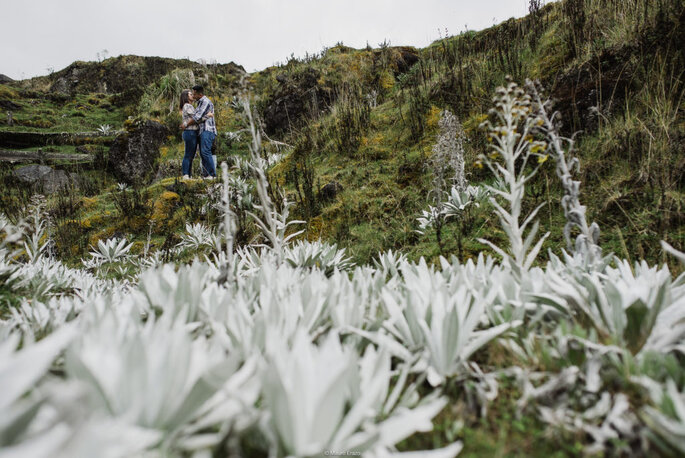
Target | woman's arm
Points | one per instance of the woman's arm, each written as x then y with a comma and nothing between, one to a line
190,111
191,121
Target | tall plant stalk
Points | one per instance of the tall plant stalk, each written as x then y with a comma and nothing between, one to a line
561,149
513,146
272,223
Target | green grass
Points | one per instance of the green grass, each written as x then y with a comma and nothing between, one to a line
82,113
502,432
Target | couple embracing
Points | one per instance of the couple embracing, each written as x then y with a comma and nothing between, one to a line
199,128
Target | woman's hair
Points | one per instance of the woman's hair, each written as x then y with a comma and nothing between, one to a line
184,97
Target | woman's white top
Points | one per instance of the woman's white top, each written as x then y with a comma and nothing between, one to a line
187,114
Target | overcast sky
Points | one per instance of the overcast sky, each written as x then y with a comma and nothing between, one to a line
43,34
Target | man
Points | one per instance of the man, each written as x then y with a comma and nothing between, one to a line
207,130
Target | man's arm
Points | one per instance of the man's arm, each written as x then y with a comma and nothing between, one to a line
202,106
191,121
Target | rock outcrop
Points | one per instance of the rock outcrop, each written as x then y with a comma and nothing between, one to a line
123,73
31,174
305,93
330,191
9,105
42,178
594,89
296,95
133,157
54,181
399,58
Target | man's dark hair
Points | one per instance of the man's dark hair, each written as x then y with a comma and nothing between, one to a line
199,89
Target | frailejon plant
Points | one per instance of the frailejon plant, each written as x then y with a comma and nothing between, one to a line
153,375
447,162
323,399
561,149
110,251
447,168
666,422
319,255
10,235
37,242
105,129
198,237
451,336
514,148
628,305
19,372
229,216
273,224
111,255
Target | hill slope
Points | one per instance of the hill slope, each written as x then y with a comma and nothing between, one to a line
363,123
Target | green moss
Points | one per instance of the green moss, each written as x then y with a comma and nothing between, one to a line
8,93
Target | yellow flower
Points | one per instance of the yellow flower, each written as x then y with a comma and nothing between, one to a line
478,165
538,146
542,158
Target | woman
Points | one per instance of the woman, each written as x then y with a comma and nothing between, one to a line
190,131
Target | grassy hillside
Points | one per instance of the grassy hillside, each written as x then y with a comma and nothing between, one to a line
367,119
613,67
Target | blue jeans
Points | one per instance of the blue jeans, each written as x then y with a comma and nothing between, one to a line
190,138
206,141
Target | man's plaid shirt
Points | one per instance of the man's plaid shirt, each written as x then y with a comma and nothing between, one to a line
204,107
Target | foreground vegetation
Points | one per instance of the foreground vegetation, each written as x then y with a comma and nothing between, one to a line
417,305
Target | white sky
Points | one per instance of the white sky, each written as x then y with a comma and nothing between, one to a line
39,34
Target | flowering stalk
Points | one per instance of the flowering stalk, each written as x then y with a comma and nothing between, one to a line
448,156
587,242
272,223
229,223
513,143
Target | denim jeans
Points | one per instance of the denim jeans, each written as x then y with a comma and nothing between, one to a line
206,140
190,138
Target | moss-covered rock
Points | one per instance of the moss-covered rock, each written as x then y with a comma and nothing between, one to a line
133,157
163,210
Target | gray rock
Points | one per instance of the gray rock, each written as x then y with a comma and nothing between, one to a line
133,157
66,83
331,190
32,174
54,181
43,178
